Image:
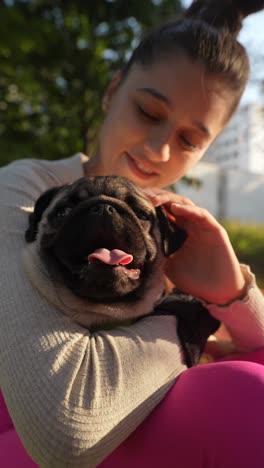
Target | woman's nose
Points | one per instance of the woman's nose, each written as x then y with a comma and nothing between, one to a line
158,147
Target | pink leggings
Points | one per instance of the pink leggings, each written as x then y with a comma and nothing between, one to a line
213,417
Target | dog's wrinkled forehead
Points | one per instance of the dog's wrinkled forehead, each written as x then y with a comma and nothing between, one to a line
115,187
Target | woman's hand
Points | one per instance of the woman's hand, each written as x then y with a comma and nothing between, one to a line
206,265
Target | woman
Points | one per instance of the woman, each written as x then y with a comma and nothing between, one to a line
75,396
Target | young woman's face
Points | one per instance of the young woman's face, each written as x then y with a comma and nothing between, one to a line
159,121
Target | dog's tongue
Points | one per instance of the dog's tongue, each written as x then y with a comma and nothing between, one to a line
111,257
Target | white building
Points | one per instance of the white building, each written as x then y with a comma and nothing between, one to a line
227,193
241,144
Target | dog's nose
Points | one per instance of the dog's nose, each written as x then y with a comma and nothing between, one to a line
101,208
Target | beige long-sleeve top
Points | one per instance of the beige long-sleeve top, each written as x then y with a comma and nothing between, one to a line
74,396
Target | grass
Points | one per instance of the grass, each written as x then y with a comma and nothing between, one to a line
248,243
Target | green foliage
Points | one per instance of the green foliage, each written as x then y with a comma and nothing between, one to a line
248,243
56,58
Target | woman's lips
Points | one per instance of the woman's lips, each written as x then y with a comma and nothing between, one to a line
138,168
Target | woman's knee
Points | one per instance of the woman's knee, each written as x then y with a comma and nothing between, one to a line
221,415
211,418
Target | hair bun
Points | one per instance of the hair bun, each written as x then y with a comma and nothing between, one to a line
247,7
226,14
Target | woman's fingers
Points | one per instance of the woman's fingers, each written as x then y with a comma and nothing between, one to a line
206,265
164,197
194,219
194,214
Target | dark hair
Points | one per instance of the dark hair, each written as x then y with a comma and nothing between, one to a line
207,32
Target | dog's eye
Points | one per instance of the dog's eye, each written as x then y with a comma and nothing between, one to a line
143,215
63,211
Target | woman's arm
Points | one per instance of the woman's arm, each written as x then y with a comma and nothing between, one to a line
73,396
206,267
244,317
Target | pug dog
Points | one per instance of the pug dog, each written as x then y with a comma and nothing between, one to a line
96,249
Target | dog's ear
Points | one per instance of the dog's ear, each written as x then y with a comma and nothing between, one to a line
172,236
34,218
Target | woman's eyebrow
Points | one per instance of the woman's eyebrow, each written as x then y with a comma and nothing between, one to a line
153,92
202,127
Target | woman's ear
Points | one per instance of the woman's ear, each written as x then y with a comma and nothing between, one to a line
110,90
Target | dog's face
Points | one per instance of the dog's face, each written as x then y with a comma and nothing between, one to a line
102,238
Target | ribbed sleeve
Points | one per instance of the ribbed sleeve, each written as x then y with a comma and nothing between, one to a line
244,318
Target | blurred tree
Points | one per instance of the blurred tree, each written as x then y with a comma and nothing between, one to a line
56,58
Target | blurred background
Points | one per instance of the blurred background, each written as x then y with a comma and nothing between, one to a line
229,181
56,58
